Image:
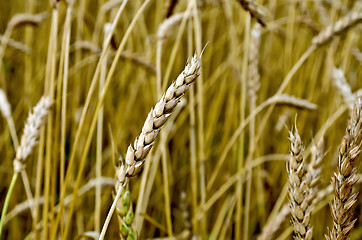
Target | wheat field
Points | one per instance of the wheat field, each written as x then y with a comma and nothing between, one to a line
169,119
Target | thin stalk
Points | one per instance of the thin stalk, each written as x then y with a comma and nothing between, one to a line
220,218
175,47
272,101
166,191
193,159
4,42
163,145
12,129
29,195
95,116
49,89
7,201
64,97
241,159
200,116
98,197
38,180
111,210
285,82
28,63
83,117
158,67
226,224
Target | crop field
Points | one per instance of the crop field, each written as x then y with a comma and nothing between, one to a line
181,119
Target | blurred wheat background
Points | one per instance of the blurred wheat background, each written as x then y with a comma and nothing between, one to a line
218,167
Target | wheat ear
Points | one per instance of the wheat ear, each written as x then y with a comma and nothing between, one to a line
171,6
254,10
343,87
313,180
342,25
298,189
345,177
315,169
253,72
157,117
31,132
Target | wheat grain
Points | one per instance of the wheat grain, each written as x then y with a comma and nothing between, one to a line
345,177
298,189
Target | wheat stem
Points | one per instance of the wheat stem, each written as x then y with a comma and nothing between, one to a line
7,201
111,210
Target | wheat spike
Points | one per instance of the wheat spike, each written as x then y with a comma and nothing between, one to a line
345,177
253,70
168,25
156,118
254,10
315,169
31,132
171,7
342,25
343,87
298,190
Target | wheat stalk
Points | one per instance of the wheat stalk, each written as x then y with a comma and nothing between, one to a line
298,189
345,177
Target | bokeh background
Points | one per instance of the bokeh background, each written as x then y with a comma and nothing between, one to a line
197,181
